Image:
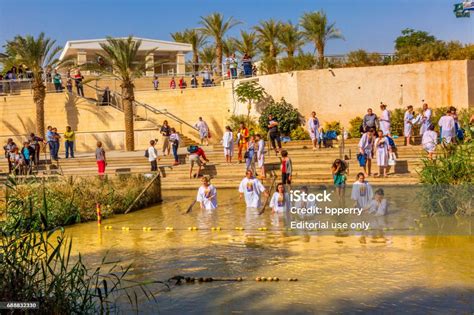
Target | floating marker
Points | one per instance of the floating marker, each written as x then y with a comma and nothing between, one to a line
125,228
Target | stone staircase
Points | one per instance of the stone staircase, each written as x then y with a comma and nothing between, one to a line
310,167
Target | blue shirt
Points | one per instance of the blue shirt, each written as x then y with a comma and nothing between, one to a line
49,135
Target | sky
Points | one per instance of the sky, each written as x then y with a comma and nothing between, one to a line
372,25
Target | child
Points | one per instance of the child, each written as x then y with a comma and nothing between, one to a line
228,143
378,206
261,155
361,191
101,160
286,168
207,194
174,139
383,149
156,83
280,202
69,85
429,141
339,176
27,154
15,160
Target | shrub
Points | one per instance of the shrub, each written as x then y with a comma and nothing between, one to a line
287,116
300,133
333,125
235,120
396,121
354,130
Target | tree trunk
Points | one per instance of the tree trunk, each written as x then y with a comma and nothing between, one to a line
219,57
128,112
320,48
196,61
39,94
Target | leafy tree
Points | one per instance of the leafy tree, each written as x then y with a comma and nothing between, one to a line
216,27
318,30
247,44
193,37
354,129
290,38
288,117
36,54
229,46
249,92
120,60
411,38
303,61
267,34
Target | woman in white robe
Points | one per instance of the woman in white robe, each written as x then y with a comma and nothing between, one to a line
384,120
207,195
228,143
379,205
280,202
313,129
408,124
361,191
382,149
429,141
251,188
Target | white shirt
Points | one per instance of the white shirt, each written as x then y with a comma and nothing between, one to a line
430,139
228,140
376,208
152,154
313,124
279,204
385,116
207,196
362,193
261,148
252,189
174,137
447,124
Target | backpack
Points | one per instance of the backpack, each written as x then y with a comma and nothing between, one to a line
391,142
192,148
147,154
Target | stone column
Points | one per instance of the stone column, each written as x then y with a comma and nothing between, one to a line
150,60
180,64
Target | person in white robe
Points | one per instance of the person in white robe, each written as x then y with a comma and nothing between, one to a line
361,191
382,149
207,195
366,147
280,201
228,144
425,119
313,129
384,120
251,188
379,205
429,141
446,123
260,155
408,124
203,129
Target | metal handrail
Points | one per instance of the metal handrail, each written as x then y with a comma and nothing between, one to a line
146,106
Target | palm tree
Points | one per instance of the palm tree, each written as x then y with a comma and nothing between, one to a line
229,46
36,54
267,34
318,30
120,60
193,37
290,38
247,44
208,55
216,27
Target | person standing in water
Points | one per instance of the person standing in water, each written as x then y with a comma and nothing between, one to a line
280,201
361,191
207,194
377,206
252,189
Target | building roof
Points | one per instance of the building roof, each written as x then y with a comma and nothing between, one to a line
73,46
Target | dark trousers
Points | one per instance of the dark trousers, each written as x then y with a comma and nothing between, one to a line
175,152
275,136
54,149
58,87
37,154
80,90
233,73
69,148
284,178
154,166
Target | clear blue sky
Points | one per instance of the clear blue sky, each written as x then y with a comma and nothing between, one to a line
369,24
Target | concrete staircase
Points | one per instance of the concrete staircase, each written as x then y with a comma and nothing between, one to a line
310,167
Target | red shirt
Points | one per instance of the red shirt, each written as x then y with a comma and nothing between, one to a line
200,152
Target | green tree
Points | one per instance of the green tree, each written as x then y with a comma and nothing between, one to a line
249,92
412,38
120,60
290,38
303,61
193,37
208,55
287,116
267,34
229,46
216,27
247,44
36,54
318,30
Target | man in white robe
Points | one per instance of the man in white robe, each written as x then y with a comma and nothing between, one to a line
203,129
362,192
384,120
448,132
426,119
251,188
207,195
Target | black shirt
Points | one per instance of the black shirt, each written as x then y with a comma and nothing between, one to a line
165,131
275,127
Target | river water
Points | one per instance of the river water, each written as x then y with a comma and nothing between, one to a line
384,271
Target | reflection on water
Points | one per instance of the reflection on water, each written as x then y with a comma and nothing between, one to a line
336,273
